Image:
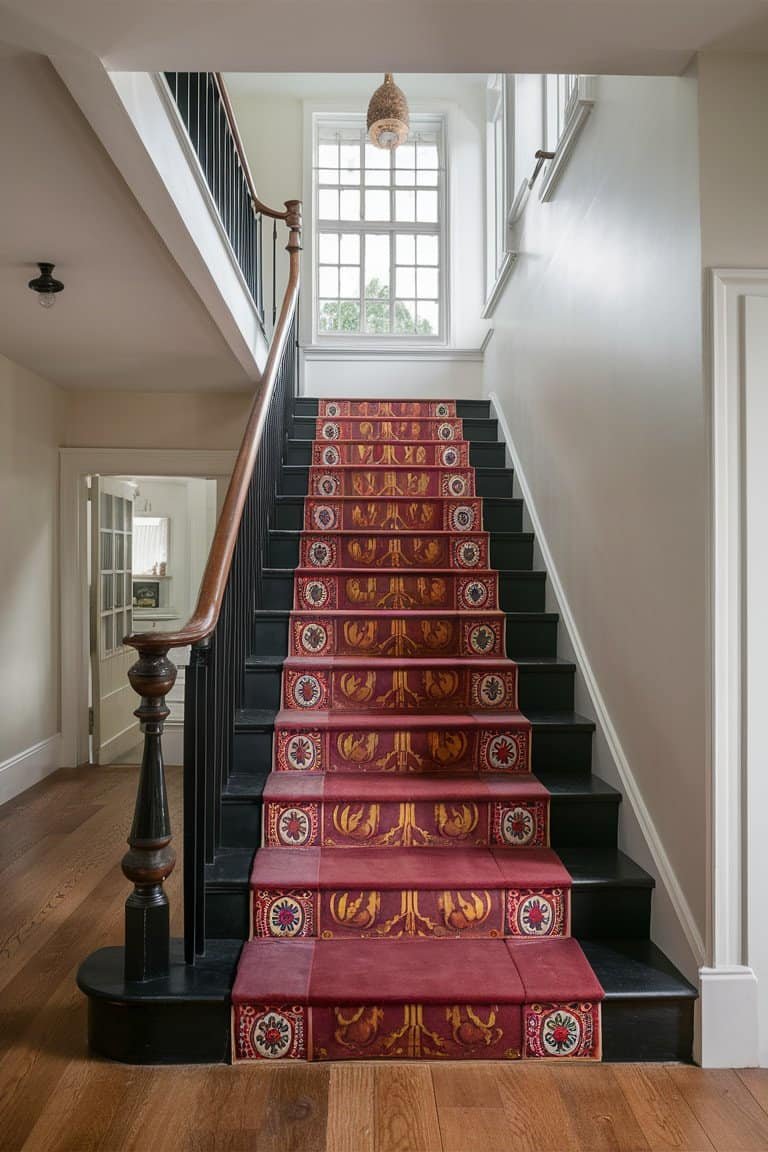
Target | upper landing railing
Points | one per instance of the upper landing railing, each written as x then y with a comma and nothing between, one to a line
220,629
206,112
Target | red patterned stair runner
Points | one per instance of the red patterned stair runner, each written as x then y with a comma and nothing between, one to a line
406,902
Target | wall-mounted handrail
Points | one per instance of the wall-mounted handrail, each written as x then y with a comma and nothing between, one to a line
151,858
540,156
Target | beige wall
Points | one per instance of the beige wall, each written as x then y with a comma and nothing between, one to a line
114,419
30,413
733,104
596,359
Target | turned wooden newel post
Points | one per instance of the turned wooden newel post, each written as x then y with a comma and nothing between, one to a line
150,858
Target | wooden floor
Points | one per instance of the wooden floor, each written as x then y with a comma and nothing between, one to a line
61,896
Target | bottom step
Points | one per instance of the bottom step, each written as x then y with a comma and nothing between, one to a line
184,1018
415,999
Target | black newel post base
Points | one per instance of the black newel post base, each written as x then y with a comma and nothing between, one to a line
147,935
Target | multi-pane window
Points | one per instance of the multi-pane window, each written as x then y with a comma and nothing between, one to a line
379,232
559,94
498,154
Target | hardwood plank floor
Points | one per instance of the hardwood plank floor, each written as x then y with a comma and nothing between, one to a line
61,896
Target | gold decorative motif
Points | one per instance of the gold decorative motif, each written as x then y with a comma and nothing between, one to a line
460,912
360,911
456,821
446,747
359,1029
362,591
363,553
360,689
440,685
469,1029
410,920
360,747
357,821
402,758
399,696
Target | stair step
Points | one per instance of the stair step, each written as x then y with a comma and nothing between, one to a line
481,455
499,549
526,634
499,513
474,429
376,893
308,406
374,1016
489,480
610,895
518,591
378,810
561,741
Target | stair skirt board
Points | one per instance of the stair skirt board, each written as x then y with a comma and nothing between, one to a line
406,903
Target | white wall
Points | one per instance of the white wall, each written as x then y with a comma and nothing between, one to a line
596,359
30,414
128,419
733,97
273,125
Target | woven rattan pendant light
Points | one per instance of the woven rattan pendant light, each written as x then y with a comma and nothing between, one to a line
388,115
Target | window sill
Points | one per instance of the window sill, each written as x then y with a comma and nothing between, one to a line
368,352
582,104
495,294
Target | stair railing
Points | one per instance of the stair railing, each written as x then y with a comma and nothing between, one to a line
220,632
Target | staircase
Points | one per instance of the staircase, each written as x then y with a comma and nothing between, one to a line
438,875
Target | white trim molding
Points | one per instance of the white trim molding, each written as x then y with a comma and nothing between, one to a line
29,767
738,862
505,271
75,465
665,873
315,352
579,107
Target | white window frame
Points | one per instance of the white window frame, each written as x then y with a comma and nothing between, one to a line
500,174
567,100
359,340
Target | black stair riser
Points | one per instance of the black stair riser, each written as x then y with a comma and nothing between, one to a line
565,750
515,552
489,455
524,637
295,482
475,430
228,910
537,691
648,1030
503,517
519,593
308,406
571,821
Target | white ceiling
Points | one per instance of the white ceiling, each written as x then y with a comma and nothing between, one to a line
608,36
128,317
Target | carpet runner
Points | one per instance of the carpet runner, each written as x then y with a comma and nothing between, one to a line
406,903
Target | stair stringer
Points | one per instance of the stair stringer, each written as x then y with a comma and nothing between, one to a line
673,925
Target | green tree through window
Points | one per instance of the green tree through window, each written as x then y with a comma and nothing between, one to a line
344,315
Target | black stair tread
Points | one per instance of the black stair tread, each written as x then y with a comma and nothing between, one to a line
245,787
506,573
630,968
296,498
250,718
589,869
540,663
230,869
492,469
593,866
280,613
494,533
571,787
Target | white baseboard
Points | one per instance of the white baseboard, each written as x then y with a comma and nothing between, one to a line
727,1018
662,866
29,767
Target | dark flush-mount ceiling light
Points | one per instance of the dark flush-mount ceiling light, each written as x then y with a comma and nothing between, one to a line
46,286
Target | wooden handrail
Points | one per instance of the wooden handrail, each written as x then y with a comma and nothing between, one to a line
258,204
203,620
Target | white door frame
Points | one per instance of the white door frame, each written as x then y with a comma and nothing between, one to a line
729,988
75,465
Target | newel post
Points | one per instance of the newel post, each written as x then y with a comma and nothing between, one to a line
150,858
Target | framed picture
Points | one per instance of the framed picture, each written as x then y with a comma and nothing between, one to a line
146,593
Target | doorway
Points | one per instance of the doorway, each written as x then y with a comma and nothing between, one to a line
149,540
